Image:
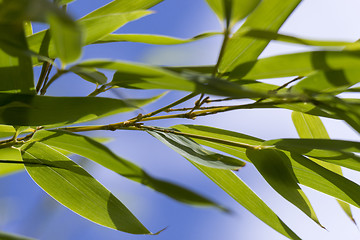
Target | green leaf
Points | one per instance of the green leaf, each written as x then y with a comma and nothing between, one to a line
297,64
270,35
194,152
153,39
241,193
307,172
94,27
122,6
73,187
67,38
139,76
232,10
32,110
309,126
7,236
89,74
98,27
269,15
91,149
276,169
6,131
334,82
10,161
16,71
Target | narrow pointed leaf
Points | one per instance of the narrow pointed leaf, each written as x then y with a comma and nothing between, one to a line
89,74
196,153
10,161
232,10
297,64
269,15
307,172
32,110
334,82
93,150
309,126
241,193
270,35
139,76
73,187
152,39
8,236
276,169
122,6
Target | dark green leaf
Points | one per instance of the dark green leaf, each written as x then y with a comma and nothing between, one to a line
7,236
277,170
32,110
89,74
73,187
194,152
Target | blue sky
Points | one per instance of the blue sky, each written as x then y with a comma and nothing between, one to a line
26,210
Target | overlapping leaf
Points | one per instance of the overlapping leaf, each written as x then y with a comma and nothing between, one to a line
297,64
194,152
87,147
139,76
10,161
15,68
32,110
233,185
269,15
309,126
232,11
307,172
277,170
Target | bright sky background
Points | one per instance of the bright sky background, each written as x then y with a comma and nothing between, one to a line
25,209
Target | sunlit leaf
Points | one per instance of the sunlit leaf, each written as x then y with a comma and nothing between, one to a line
297,64
152,39
32,110
269,15
309,126
10,161
241,193
270,35
139,76
335,81
196,153
73,187
307,172
93,150
15,68
232,10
